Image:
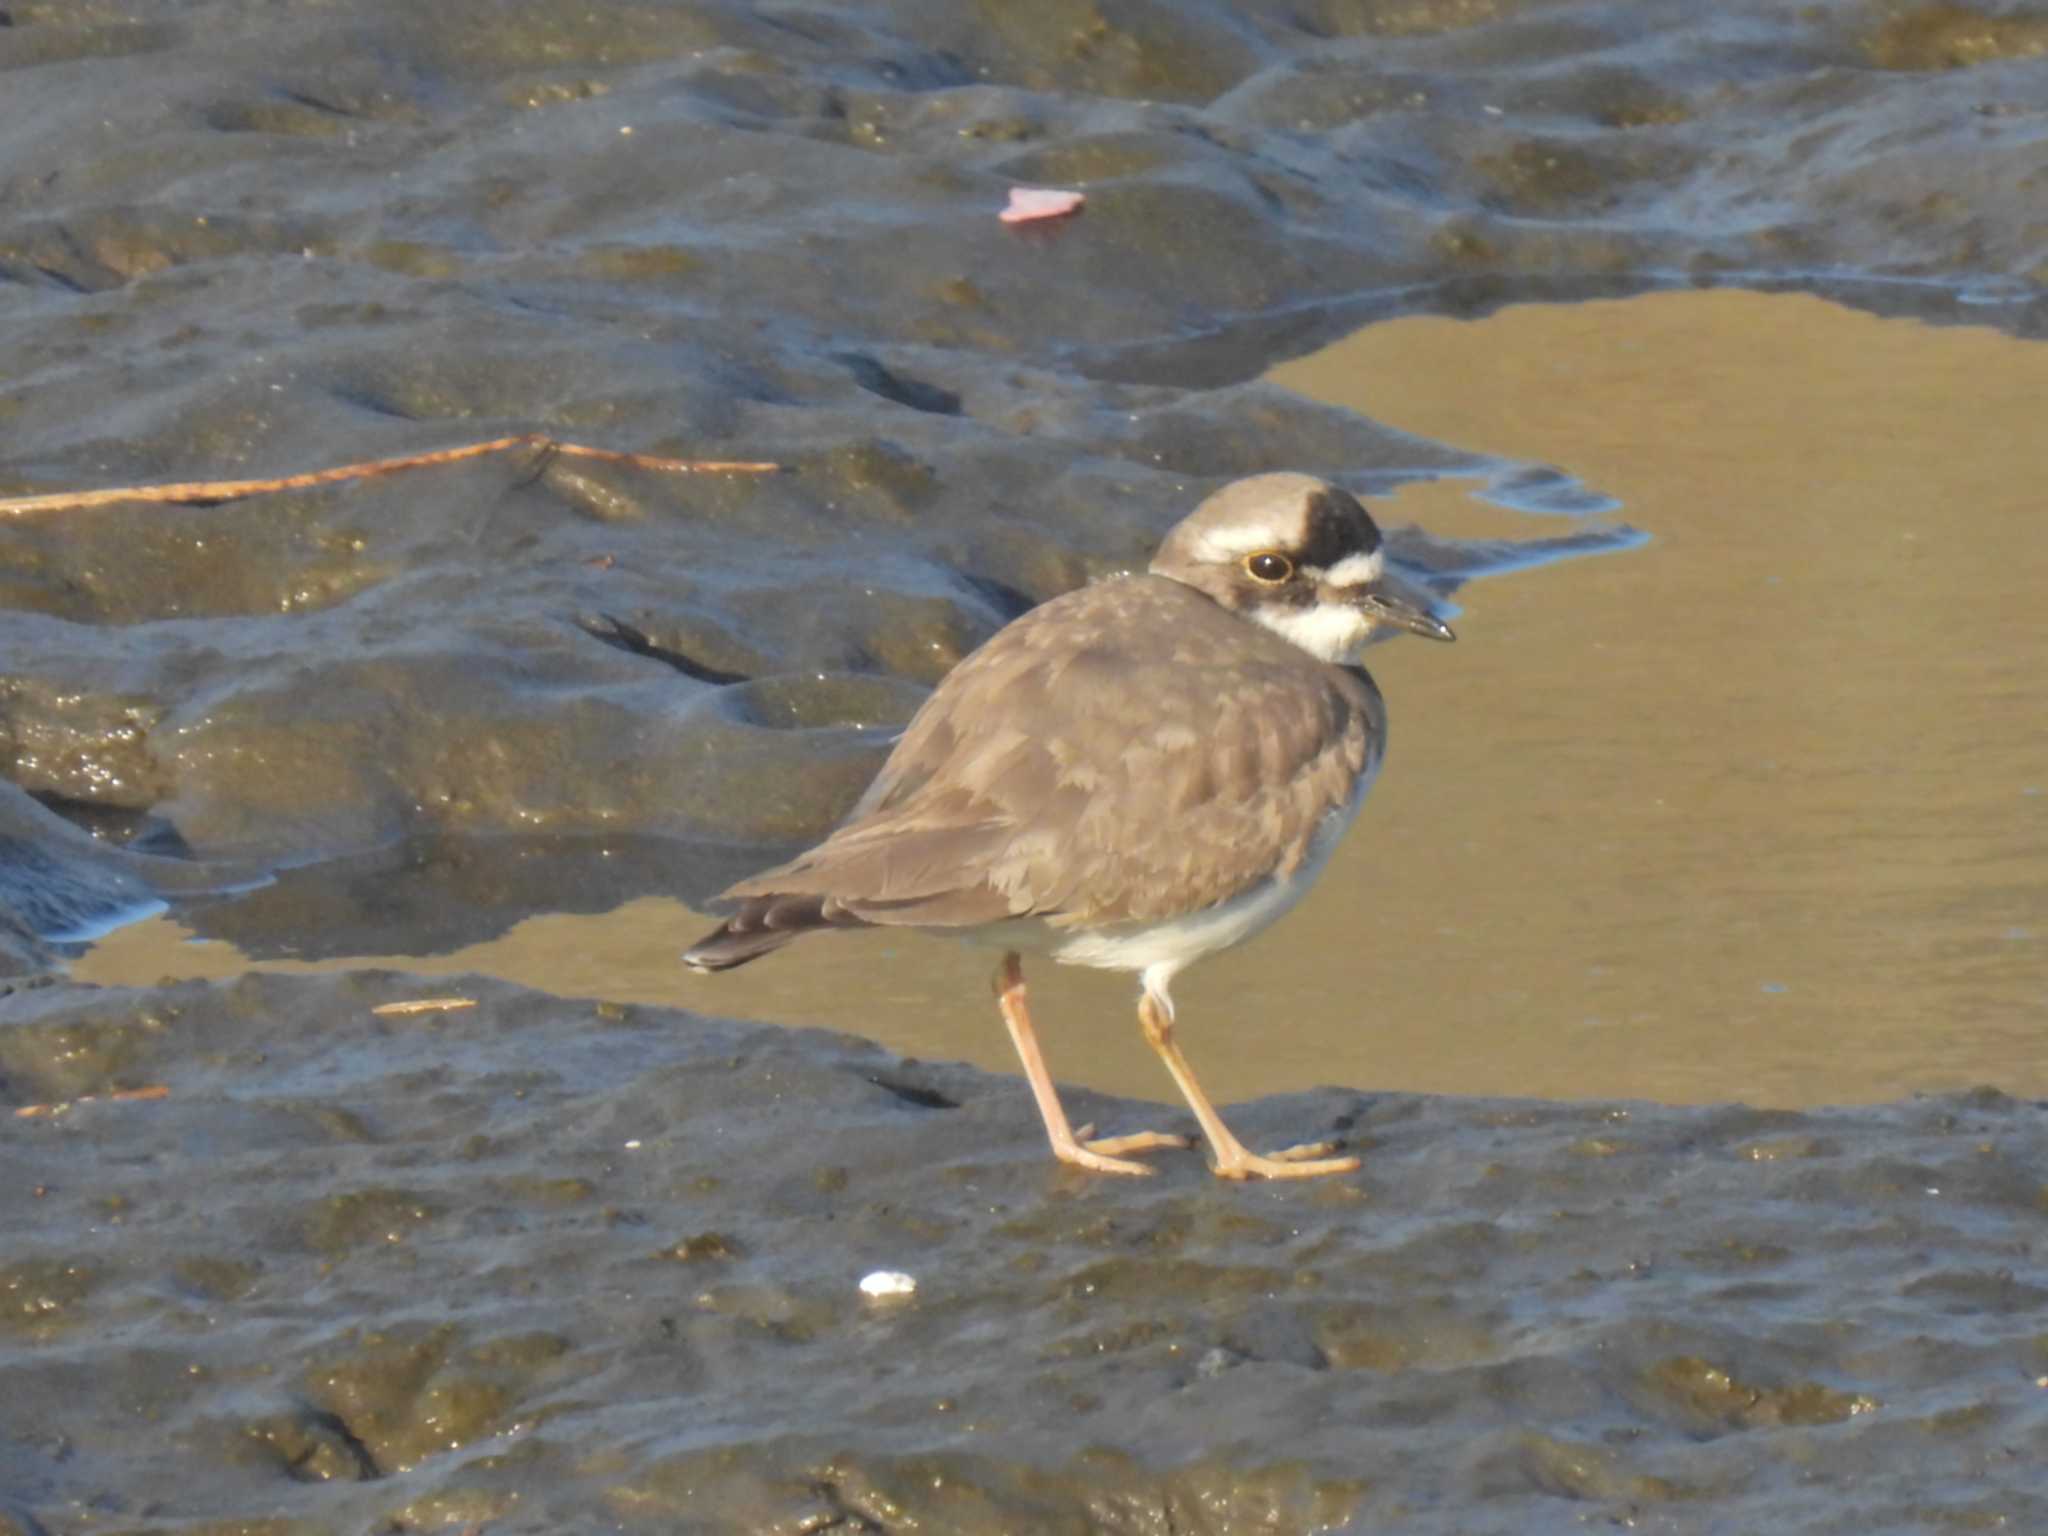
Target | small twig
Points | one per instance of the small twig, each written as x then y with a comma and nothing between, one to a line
123,1095
423,1005
232,490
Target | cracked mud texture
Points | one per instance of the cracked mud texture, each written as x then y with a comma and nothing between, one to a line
546,1265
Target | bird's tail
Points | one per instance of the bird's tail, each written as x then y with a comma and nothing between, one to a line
764,923
723,948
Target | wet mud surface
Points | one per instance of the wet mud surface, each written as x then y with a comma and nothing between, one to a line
543,1265
550,1265
1651,830
243,241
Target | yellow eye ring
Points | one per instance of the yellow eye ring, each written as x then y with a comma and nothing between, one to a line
1268,567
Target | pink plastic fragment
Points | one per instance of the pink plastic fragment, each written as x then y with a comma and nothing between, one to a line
1030,204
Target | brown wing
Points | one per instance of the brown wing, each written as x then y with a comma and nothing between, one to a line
1126,752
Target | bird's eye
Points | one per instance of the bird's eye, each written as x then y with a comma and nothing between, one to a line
1269,566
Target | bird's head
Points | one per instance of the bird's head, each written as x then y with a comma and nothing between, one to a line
1300,557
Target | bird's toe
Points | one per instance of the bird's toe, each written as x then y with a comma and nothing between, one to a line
1300,1162
1135,1141
1082,1156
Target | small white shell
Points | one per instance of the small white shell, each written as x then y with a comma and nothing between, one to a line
887,1283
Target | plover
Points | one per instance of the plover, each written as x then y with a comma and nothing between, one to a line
1131,776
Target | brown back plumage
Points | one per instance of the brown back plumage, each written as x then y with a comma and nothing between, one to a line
1126,753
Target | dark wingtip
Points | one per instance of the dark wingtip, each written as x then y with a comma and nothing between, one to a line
765,922
722,949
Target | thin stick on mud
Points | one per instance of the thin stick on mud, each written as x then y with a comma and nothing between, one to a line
148,1094
412,1005
234,490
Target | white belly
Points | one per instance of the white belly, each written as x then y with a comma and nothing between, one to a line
1180,941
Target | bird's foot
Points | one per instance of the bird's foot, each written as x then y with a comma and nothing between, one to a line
1136,1141
1307,1161
1087,1150
1083,1155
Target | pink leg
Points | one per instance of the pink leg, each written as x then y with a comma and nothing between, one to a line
1233,1161
1099,1154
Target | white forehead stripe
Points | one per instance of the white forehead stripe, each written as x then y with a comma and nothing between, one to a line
1224,545
1356,570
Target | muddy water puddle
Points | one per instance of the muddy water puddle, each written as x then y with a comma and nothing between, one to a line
1755,810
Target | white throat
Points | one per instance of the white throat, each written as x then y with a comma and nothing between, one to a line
1327,631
